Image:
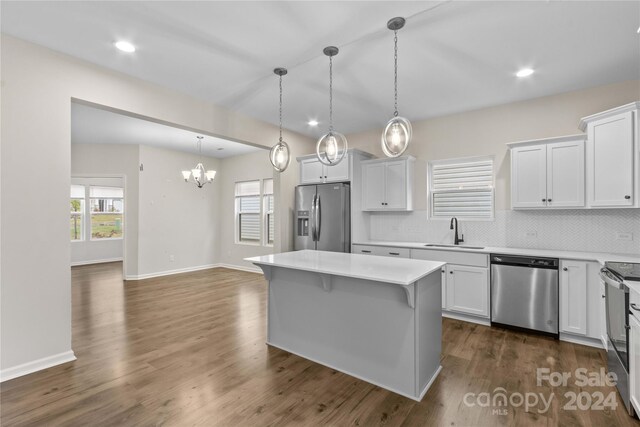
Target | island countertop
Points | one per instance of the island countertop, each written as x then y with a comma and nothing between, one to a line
399,271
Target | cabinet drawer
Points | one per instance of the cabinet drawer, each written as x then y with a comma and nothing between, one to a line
382,251
452,257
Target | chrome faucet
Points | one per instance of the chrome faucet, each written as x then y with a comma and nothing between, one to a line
456,240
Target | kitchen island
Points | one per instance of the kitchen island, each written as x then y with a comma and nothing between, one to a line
375,318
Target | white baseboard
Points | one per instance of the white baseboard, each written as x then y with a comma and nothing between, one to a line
95,261
576,339
36,365
241,268
466,318
170,272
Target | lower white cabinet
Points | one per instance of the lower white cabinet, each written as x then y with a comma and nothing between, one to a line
573,297
602,308
467,290
634,361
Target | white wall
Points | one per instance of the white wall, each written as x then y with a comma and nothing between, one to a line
38,86
485,132
248,167
87,250
178,222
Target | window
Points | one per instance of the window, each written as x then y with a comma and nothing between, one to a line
106,209
269,220
462,188
77,213
248,211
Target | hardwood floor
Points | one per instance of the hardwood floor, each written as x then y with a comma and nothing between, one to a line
189,350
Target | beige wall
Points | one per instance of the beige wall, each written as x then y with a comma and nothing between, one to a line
486,131
38,85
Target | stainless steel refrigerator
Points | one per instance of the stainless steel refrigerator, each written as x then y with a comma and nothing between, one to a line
322,217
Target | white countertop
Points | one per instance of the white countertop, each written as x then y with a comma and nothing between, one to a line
550,253
399,271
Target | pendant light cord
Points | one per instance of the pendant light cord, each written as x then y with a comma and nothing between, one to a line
330,94
395,72
280,109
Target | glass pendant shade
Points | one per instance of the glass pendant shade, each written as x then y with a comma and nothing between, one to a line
186,175
280,156
331,148
396,136
210,175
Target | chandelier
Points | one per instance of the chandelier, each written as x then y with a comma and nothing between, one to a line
198,174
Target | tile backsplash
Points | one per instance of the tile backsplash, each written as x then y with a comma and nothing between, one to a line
580,230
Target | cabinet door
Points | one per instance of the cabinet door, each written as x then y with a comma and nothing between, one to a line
573,297
529,177
396,185
634,362
611,156
468,290
602,312
565,174
339,172
373,186
311,171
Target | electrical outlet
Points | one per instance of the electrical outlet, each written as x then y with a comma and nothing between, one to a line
530,234
172,258
624,236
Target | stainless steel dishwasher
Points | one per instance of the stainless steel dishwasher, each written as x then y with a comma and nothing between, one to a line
524,293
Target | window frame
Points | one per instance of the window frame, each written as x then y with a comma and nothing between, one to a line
431,191
91,213
81,213
266,212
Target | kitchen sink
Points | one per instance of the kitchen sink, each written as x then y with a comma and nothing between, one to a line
433,245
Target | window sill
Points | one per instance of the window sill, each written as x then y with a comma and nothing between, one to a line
248,243
106,238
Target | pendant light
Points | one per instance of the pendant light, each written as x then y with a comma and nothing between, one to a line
332,146
397,134
280,155
199,175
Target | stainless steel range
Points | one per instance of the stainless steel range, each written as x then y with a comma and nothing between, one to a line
617,313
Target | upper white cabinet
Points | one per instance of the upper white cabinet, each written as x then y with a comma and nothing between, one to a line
387,184
548,173
612,157
312,171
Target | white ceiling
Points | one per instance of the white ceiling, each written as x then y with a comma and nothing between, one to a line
91,125
454,56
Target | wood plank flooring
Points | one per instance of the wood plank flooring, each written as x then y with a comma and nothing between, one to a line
189,350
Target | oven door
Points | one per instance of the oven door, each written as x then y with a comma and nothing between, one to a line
617,307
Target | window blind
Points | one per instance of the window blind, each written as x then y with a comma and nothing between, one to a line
248,208
106,192
463,189
77,191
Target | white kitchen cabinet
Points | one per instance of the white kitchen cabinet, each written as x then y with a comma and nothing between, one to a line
312,171
634,361
613,157
573,297
381,251
467,290
548,173
602,314
465,283
387,184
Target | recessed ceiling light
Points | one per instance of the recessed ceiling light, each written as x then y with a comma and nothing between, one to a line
125,46
312,123
525,72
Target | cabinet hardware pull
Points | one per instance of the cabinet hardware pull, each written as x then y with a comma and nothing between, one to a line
634,306
451,272
565,269
544,200
442,271
549,200
366,252
603,296
394,253
627,197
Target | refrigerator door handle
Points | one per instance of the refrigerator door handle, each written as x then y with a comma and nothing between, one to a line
318,217
313,218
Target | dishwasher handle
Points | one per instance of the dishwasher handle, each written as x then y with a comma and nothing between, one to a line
524,261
